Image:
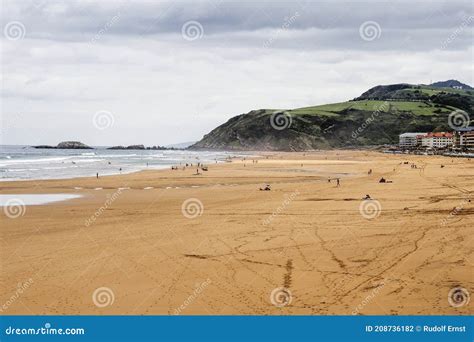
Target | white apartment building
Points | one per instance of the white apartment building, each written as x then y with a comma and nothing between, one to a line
409,140
437,140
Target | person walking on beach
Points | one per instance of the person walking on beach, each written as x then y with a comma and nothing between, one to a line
337,182
97,175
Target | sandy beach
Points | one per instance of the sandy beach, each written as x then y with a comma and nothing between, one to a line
170,242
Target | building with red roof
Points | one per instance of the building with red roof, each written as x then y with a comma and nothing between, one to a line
437,140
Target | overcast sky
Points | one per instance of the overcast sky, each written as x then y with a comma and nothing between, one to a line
155,72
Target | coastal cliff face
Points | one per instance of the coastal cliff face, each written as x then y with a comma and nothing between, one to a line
377,117
254,131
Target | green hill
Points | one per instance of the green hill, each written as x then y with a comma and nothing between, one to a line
376,117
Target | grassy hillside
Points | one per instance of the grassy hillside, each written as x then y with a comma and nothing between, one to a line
376,117
418,108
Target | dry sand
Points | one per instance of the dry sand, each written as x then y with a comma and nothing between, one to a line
306,235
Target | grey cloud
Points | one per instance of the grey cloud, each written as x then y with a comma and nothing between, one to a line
146,17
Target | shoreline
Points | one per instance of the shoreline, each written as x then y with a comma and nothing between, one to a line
258,155
264,157
67,164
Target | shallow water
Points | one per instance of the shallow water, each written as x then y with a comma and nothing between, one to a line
23,162
33,199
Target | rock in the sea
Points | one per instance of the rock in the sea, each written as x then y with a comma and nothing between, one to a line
131,147
66,145
72,145
44,146
136,147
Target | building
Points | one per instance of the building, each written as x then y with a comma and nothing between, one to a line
468,141
410,140
437,140
463,138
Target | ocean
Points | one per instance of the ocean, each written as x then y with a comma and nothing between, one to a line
24,162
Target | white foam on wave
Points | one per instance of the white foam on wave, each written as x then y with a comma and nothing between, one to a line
43,160
87,160
21,170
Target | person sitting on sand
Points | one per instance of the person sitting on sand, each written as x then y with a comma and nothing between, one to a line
367,197
382,180
266,188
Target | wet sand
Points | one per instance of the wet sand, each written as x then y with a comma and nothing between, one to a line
305,247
